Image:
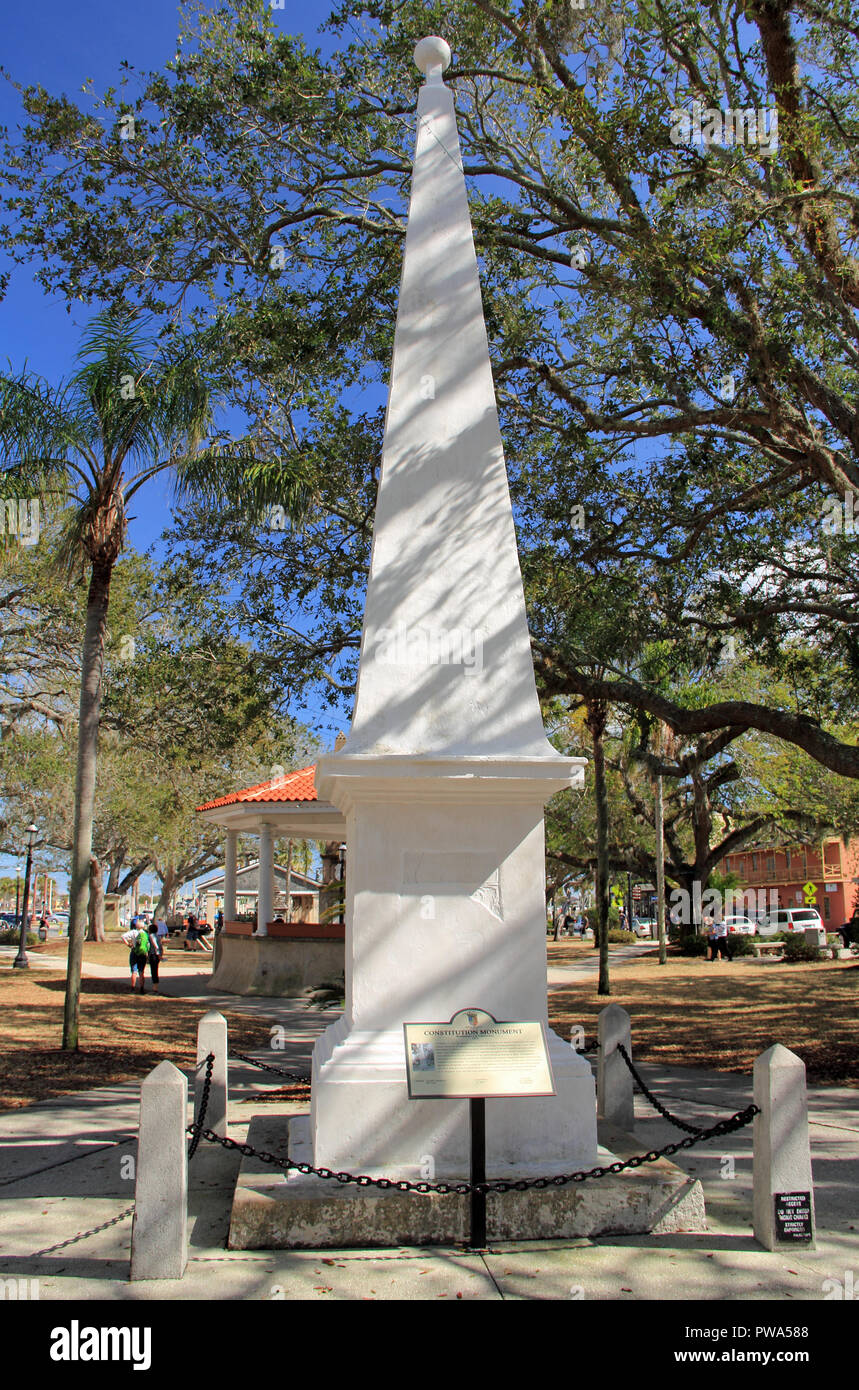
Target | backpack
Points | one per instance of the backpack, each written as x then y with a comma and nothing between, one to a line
143,944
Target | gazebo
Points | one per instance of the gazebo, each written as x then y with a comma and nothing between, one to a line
274,957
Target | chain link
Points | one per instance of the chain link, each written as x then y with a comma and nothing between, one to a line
276,1071
72,1240
717,1131
657,1104
695,1135
194,1129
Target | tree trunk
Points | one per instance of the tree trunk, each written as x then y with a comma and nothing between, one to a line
90,712
114,870
168,883
329,893
596,719
660,875
95,912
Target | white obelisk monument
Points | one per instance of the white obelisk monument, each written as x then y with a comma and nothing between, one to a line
446,771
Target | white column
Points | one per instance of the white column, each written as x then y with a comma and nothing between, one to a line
212,1037
783,1184
266,879
159,1232
615,1100
230,876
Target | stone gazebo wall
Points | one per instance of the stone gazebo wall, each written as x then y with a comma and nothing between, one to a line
293,956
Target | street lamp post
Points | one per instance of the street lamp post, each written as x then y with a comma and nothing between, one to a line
20,962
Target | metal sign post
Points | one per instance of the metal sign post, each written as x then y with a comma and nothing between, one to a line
477,1108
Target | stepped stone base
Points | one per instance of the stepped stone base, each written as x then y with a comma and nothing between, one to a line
272,1212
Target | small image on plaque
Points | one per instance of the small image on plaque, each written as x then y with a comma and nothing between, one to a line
423,1057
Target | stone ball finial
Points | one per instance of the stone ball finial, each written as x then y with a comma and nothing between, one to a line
432,53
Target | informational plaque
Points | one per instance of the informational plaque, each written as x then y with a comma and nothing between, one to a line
476,1055
793,1219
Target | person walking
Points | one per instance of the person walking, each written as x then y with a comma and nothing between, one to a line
137,940
162,931
191,933
718,939
155,957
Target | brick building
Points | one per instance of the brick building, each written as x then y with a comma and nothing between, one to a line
830,868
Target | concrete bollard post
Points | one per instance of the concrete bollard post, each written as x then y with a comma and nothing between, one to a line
615,1102
159,1233
212,1037
783,1186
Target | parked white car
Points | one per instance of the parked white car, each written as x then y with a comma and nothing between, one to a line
789,919
642,927
740,925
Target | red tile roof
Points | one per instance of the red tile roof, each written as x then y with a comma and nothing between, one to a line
291,786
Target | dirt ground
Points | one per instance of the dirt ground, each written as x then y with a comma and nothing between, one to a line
723,1015
122,1035
686,1013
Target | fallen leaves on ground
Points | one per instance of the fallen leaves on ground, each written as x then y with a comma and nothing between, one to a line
722,1015
122,1036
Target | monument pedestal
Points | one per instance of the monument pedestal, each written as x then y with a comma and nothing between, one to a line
273,1212
445,911
365,1110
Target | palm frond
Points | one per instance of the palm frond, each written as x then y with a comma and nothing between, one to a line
40,431
148,399
234,474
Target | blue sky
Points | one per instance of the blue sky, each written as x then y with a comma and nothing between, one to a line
60,45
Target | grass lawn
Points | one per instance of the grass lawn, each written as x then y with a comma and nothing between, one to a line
690,1013
113,951
686,1013
123,1036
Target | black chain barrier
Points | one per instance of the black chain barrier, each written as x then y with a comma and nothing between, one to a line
657,1105
276,1071
717,1131
204,1105
198,1132
72,1240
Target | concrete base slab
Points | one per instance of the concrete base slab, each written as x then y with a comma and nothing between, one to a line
273,1212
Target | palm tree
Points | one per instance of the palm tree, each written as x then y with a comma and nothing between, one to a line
132,410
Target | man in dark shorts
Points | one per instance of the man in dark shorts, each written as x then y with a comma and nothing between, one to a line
138,942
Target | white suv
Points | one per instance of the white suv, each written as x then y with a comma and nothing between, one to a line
789,919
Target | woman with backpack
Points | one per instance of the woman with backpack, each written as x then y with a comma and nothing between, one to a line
138,941
156,955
